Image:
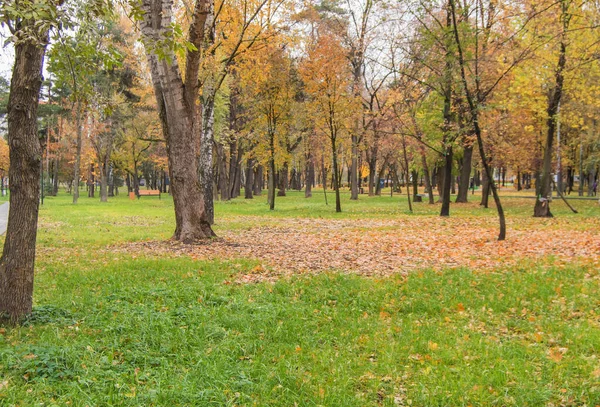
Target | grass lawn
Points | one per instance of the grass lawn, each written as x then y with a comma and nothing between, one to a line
117,324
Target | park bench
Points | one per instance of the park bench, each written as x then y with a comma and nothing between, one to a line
149,192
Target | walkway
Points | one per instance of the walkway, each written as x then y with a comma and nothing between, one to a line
3,217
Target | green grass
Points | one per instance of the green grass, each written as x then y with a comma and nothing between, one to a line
135,329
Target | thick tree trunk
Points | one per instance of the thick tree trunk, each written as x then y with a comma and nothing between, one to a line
179,114
18,256
283,180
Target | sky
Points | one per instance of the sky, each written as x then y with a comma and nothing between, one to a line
6,55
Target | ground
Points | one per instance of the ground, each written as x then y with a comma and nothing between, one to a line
303,306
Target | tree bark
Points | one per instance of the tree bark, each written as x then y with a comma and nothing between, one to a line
258,180
354,168
446,182
77,164
542,203
336,181
55,177
179,115
249,179
283,180
25,151
465,174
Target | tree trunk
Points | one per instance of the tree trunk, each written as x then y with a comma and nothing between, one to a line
249,179
485,190
205,160
372,169
104,181
179,115
310,176
354,169
542,203
233,169
18,256
446,183
283,180
428,185
415,185
91,182
77,164
55,177
222,173
258,180
271,174
465,175
336,181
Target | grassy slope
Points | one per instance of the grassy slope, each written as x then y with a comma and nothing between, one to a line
118,330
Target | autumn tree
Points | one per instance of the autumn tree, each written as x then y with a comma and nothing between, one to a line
328,83
29,24
269,93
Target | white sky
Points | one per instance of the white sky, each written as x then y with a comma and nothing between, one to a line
6,55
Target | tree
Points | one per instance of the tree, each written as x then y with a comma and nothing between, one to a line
328,83
269,94
542,203
179,112
29,24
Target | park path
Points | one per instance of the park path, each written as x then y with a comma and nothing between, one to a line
3,217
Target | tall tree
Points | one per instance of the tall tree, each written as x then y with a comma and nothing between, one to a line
542,203
29,24
179,111
328,82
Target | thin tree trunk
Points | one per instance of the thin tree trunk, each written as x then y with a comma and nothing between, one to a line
446,182
428,185
271,175
354,169
465,175
104,181
77,164
258,180
249,179
310,176
542,203
55,177
336,180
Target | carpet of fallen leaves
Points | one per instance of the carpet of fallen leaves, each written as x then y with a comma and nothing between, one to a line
386,246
